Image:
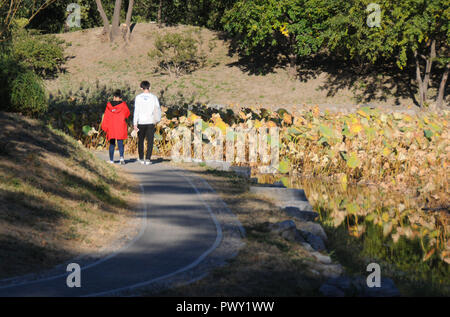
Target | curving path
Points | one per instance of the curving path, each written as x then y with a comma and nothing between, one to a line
185,231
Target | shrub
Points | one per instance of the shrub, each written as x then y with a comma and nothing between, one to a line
28,94
43,54
9,70
177,53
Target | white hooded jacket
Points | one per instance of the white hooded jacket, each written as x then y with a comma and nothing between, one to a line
146,109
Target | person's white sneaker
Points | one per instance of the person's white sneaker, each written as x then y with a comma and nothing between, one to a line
110,162
148,162
141,161
122,161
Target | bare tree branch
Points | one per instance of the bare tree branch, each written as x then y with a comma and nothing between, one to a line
428,69
419,79
441,94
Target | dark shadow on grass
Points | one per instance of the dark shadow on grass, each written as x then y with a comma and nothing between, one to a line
30,136
57,180
257,65
21,257
379,82
262,282
20,140
370,83
262,61
29,211
99,190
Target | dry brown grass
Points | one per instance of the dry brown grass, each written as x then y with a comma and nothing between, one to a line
57,200
223,81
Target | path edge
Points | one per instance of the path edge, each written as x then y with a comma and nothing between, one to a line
232,234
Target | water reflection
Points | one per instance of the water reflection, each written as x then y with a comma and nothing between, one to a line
367,223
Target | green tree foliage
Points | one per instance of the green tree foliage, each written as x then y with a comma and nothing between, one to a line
193,12
53,19
216,11
14,78
294,28
13,9
43,54
414,31
410,32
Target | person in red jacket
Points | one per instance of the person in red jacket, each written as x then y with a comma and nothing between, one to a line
115,125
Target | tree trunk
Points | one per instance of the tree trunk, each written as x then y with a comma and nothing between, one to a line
160,13
429,61
292,65
106,27
292,57
128,20
442,86
116,19
419,80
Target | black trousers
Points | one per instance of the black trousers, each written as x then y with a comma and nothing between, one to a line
146,131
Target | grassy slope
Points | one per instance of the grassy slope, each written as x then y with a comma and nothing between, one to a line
224,81
56,199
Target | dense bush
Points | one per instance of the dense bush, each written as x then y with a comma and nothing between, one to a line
43,54
28,94
24,59
177,53
8,72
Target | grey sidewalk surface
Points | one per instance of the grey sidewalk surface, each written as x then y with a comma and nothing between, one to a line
185,231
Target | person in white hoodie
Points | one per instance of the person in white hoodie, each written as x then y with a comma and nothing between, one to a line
147,113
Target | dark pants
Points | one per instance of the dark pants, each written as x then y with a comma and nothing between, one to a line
146,131
112,147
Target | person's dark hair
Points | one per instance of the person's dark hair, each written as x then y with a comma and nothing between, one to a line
118,93
145,85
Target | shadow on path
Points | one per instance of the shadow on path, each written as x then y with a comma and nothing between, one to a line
180,233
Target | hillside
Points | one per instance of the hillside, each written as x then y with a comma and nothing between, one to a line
57,200
226,80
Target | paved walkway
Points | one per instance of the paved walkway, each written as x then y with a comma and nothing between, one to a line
185,231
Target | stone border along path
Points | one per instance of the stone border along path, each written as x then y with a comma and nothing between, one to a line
184,231
306,231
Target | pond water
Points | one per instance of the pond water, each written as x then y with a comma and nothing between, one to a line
368,224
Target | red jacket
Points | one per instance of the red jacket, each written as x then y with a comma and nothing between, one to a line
114,123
